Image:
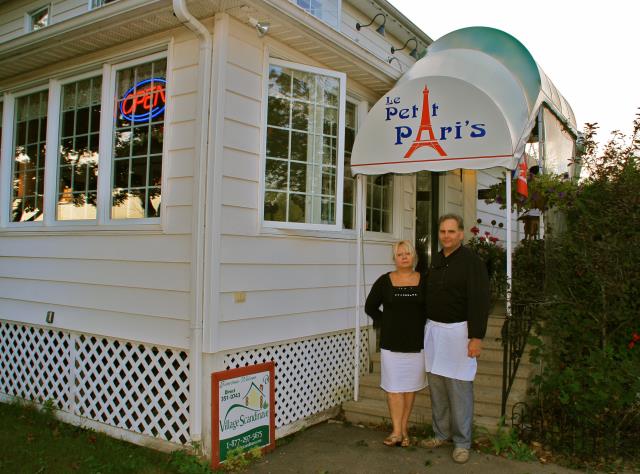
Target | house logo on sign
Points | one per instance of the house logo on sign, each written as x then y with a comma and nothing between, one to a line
255,407
425,135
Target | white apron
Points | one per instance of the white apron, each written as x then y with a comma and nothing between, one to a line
445,351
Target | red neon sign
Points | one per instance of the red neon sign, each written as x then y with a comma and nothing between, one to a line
140,103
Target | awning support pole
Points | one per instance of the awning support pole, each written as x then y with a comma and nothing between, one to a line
360,232
508,212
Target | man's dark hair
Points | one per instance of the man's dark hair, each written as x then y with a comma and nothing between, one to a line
454,217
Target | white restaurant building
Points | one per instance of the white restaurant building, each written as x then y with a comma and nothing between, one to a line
176,200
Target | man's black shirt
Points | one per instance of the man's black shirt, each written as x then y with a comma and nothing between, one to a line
458,290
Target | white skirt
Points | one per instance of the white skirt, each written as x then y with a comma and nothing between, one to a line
402,371
446,348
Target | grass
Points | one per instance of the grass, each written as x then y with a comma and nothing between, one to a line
33,441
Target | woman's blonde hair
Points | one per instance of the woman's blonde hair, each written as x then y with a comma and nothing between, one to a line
409,246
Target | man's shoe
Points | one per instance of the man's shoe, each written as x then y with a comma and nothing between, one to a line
433,443
460,455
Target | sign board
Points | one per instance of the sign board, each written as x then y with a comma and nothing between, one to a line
432,123
144,101
242,410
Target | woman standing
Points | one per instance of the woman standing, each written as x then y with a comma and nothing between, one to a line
402,296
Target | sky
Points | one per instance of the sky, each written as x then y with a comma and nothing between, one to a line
588,48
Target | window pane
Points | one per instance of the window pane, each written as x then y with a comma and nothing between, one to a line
380,203
27,166
302,133
277,143
275,207
78,156
138,141
278,112
39,19
276,174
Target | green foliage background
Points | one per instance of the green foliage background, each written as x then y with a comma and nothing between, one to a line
585,285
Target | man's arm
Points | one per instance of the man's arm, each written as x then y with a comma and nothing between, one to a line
477,306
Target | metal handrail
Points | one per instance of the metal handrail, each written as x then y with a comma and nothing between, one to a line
515,332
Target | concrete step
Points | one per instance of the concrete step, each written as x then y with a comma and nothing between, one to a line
487,399
376,412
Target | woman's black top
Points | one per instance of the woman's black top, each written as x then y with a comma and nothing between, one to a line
403,316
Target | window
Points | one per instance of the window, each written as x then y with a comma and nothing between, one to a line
100,3
325,10
303,168
78,153
349,192
38,19
138,140
27,165
380,203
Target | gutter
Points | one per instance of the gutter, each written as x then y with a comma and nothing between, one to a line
198,229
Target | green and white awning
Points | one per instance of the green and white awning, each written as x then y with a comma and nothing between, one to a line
470,103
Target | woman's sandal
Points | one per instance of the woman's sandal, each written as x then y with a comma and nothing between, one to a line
392,440
406,442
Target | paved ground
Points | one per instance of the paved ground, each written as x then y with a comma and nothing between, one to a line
330,448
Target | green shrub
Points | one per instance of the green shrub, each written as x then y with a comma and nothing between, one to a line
588,394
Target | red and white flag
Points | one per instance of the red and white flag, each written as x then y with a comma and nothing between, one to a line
521,185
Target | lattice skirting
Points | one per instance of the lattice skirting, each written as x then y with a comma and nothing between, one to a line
312,375
129,385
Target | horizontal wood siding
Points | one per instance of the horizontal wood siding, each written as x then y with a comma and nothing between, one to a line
120,283
12,14
370,40
294,284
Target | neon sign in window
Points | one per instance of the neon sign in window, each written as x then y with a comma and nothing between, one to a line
144,101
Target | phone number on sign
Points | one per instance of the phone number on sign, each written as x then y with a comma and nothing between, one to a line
250,439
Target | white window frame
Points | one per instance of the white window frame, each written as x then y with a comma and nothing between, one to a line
28,18
6,172
106,142
94,4
342,78
337,27
103,212
55,96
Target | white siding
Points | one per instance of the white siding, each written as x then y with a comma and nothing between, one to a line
132,284
12,14
294,284
451,193
370,40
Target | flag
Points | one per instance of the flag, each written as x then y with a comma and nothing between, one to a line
521,185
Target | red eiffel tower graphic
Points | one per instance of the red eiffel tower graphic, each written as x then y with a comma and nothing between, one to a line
425,126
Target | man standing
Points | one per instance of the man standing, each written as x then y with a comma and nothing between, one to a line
457,312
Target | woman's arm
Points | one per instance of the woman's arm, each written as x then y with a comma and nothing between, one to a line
374,301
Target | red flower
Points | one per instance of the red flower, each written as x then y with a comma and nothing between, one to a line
487,233
635,337
494,239
475,230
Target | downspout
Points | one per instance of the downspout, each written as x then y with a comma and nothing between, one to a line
198,229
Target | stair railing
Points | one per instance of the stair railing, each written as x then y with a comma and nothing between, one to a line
515,332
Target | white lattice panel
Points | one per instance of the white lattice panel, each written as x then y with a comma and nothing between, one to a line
312,375
133,386
137,387
35,364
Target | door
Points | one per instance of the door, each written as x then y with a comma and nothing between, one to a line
426,218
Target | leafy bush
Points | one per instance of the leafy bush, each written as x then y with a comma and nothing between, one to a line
488,248
588,394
